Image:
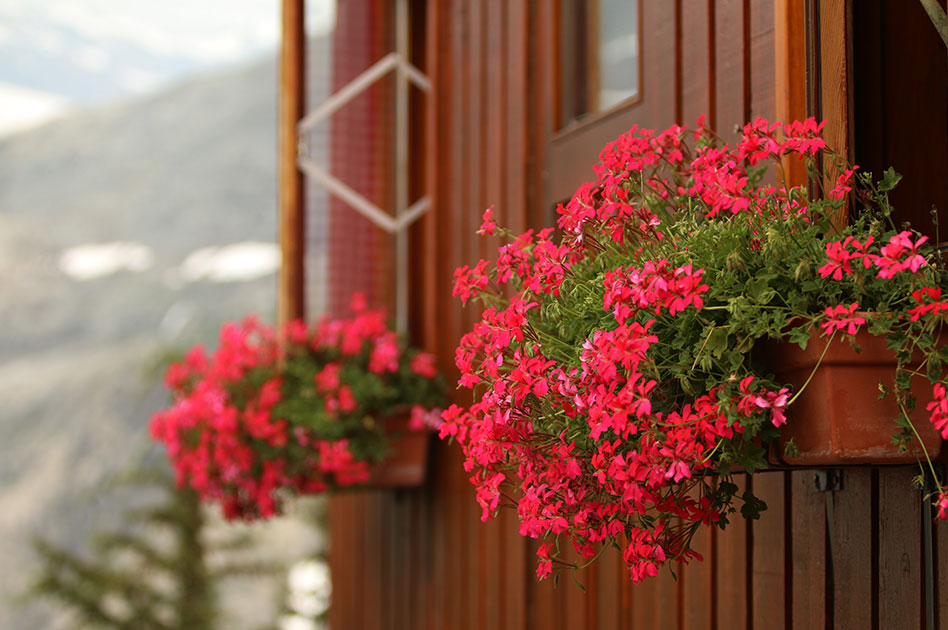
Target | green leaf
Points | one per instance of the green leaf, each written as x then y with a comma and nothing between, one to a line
752,506
717,342
800,336
757,288
890,180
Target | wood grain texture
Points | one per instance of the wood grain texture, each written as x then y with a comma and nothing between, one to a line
730,567
808,559
344,560
697,58
646,596
291,202
836,86
941,574
516,568
790,74
768,560
697,610
900,567
852,545
732,58
762,70
610,573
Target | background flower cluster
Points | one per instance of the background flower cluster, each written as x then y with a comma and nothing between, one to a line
266,415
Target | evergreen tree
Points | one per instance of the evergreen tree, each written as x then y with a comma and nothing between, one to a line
151,574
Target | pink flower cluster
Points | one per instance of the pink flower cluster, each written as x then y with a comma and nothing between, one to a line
268,415
612,436
625,457
899,254
625,464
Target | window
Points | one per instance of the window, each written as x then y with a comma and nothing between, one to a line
600,43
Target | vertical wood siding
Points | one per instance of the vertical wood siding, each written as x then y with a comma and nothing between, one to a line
422,559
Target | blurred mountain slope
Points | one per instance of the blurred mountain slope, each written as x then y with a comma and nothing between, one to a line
188,168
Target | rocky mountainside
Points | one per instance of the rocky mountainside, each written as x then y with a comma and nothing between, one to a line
189,168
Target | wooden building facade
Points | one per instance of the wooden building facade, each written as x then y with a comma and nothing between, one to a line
515,117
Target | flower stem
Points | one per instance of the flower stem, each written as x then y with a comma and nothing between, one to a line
815,368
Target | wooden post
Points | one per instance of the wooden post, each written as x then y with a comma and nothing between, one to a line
290,184
790,79
836,79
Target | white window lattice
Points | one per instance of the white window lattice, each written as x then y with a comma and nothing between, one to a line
398,222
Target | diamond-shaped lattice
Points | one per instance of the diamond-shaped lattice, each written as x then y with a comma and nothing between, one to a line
404,217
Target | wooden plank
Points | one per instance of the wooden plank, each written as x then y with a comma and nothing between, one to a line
697,61
655,602
517,571
768,558
474,600
669,595
393,507
731,56
574,598
517,93
762,73
494,167
456,140
625,593
608,585
645,603
440,312
730,569
344,559
458,574
852,551
543,601
836,84
941,573
808,558
420,575
760,67
437,614
696,581
454,546
291,303
790,77
900,568
374,563
516,563
434,277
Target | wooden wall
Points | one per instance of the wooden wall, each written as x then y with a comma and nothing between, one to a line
421,559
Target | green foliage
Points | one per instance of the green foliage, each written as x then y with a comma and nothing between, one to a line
150,573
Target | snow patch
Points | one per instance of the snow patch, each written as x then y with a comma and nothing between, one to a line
237,262
97,260
22,108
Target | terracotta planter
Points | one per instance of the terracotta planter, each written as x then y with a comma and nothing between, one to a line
407,464
839,418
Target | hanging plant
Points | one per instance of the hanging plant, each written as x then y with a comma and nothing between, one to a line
309,410
618,371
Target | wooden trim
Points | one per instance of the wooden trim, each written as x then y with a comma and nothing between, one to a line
835,18
291,302
594,120
790,69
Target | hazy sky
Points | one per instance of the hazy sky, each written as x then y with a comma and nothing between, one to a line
208,30
55,54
